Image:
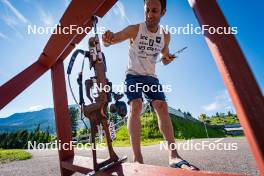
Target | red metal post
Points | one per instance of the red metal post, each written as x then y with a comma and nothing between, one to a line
238,78
230,60
79,13
20,82
62,116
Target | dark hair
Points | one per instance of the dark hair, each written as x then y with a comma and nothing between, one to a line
163,4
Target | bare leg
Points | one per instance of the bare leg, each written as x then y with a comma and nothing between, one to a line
134,128
165,125
166,128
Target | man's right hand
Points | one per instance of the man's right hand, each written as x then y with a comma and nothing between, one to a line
107,38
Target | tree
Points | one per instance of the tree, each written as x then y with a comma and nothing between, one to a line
205,120
74,113
22,139
189,114
203,117
46,136
3,140
37,134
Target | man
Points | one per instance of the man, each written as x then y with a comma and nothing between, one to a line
147,41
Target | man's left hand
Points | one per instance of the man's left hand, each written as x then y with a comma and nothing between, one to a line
168,59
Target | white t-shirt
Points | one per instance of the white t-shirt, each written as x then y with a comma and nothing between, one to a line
144,51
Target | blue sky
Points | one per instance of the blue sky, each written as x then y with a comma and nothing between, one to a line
196,83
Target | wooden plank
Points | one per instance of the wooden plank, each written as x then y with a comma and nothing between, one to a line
131,169
81,164
59,46
105,7
62,115
20,82
78,13
238,78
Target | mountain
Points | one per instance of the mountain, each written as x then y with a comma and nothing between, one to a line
30,120
45,117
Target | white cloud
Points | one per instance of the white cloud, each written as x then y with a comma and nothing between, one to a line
10,21
46,17
212,106
19,15
36,108
119,10
4,36
222,102
13,20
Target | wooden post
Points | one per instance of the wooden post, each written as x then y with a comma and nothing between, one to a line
238,78
63,127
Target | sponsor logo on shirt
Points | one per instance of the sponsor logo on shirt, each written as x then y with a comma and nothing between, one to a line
143,37
158,39
151,42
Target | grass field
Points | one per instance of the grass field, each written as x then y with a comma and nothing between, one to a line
10,155
150,134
